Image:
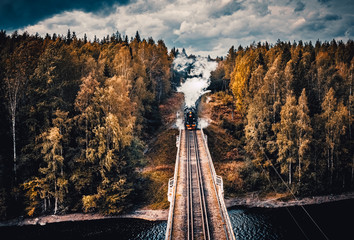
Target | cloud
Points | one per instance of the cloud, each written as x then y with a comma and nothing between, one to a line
19,13
225,9
202,27
300,6
332,17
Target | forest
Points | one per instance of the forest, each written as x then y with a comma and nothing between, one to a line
287,110
75,116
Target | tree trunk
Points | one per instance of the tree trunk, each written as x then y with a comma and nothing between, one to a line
86,136
299,171
332,166
13,119
289,173
353,170
328,156
299,144
56,197
349,113
45,204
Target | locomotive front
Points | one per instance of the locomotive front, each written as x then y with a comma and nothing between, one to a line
190,120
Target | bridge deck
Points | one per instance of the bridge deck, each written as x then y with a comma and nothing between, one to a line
179,223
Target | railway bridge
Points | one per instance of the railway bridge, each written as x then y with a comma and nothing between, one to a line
197,207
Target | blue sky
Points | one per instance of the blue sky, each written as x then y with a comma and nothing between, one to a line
203,27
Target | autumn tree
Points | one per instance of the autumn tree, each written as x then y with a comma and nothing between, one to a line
286,137
240,77
260,141
304,135
54,181
110,136
334,117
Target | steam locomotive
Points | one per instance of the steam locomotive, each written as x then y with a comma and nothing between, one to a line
190,120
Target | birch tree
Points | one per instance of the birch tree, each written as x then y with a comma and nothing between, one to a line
286,137
15,81
304,135
334,116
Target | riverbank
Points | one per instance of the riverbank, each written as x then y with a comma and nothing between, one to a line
276,202
146,214
162,215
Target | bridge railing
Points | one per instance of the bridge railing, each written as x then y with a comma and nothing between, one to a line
217,180
172,188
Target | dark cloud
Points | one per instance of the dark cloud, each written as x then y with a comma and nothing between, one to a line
15,14
261,8
199,26
314,27
323,1
228,9
318,23
300,6
332,17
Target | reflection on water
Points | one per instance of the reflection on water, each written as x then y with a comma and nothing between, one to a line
89,230
248,223
251,225
328,221
156,232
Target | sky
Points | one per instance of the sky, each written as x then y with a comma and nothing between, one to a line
202,27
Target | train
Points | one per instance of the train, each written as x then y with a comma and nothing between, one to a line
190,119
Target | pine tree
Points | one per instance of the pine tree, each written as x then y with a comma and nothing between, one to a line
137,37
230,62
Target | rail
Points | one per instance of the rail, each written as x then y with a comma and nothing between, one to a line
173,191
217,181
200,184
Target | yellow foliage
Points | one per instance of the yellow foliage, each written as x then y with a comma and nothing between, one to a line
89,203
239,78
30,211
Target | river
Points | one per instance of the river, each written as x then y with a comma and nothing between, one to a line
328,221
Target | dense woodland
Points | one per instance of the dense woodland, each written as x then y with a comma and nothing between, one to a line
75,116
289,108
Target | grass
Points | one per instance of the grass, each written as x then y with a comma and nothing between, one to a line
157,186
161,156
229,171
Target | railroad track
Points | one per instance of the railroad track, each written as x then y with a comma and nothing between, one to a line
197,214
197,208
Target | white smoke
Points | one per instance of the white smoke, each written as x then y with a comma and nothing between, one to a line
179,121
193,88
203,122
198,72
181,62
198,78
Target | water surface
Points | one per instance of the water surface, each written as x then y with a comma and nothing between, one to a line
330,220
